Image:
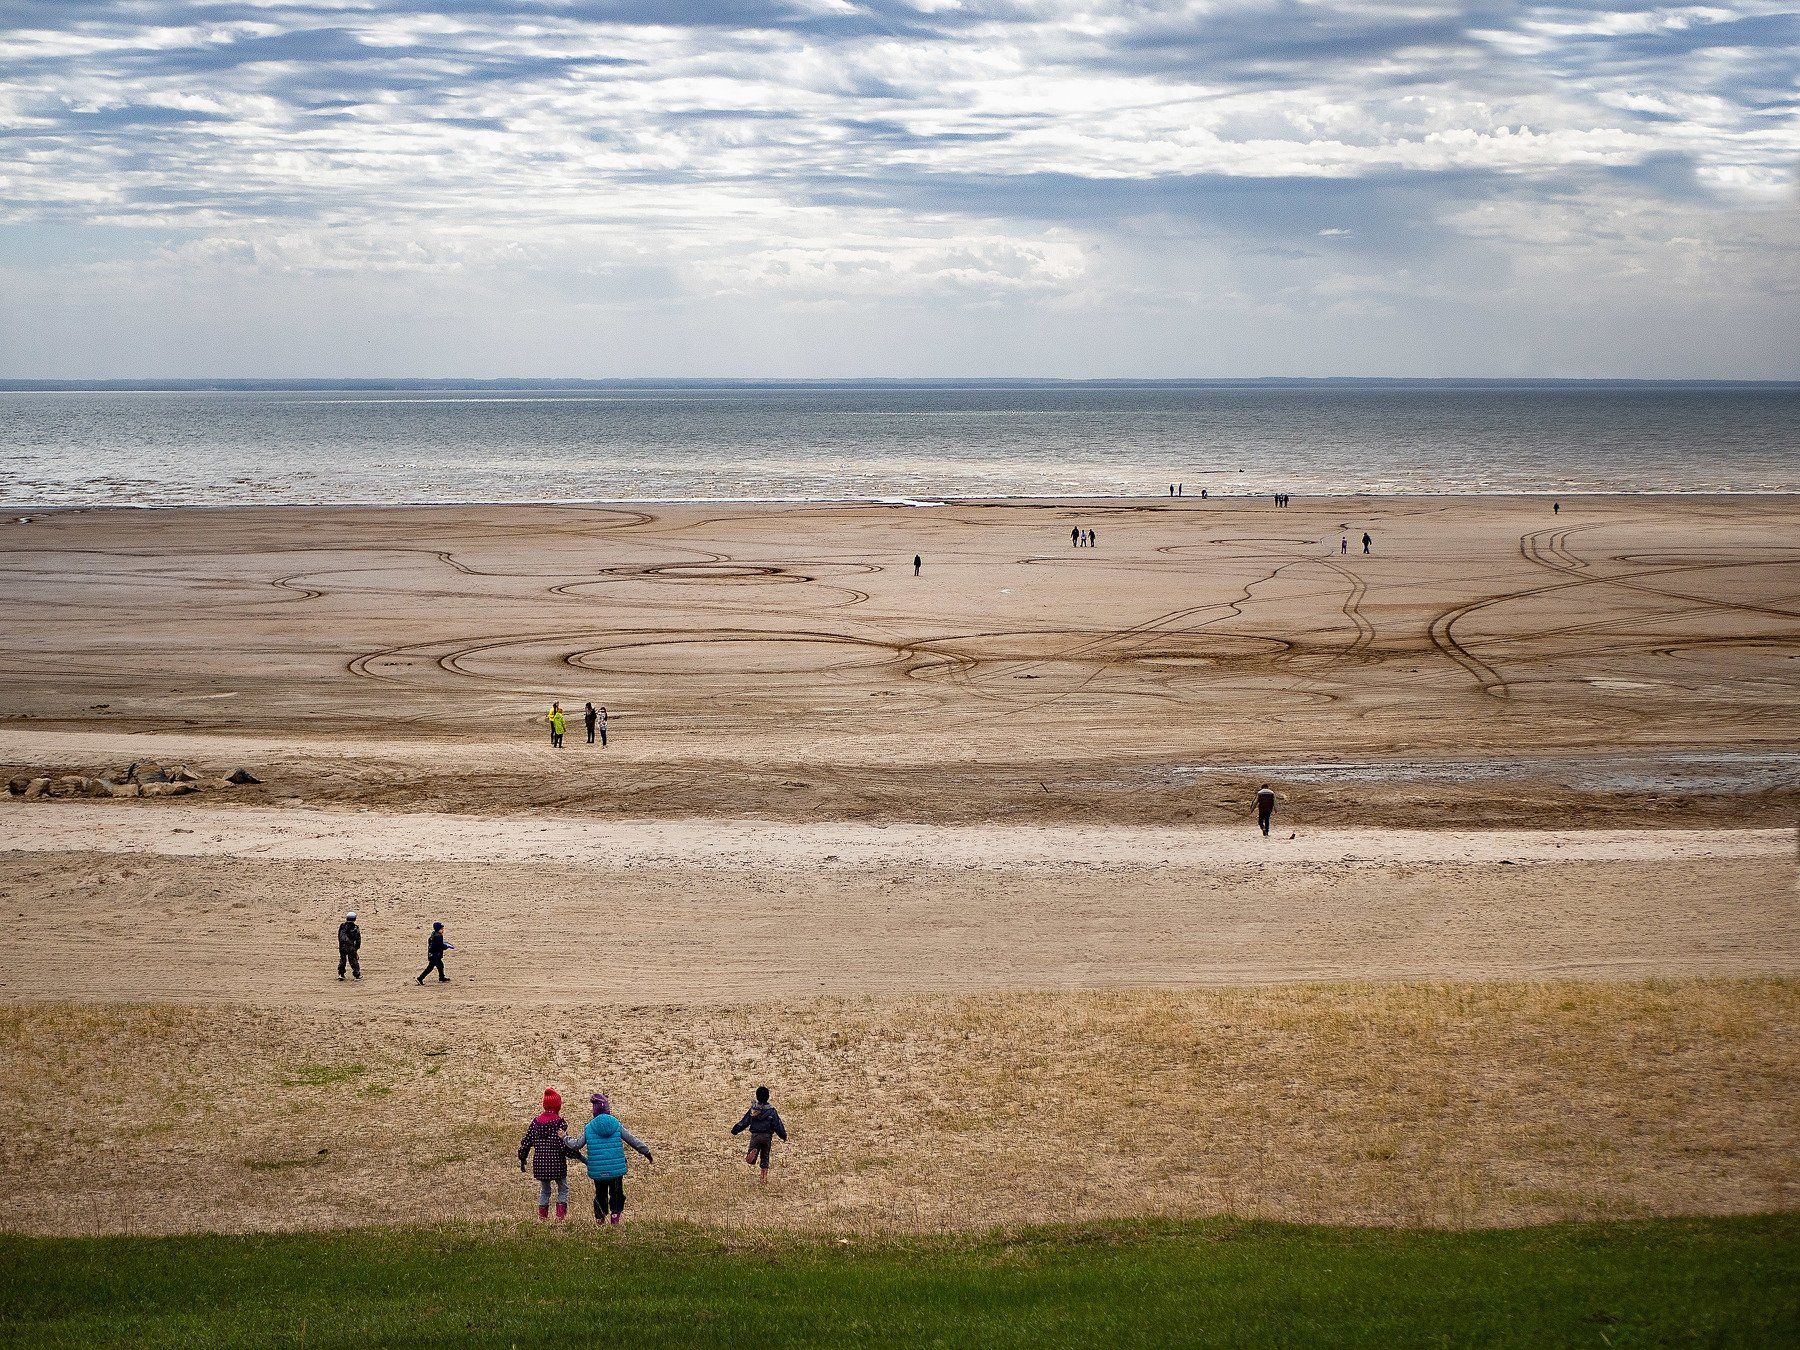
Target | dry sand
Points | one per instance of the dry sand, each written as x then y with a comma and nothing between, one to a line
961,863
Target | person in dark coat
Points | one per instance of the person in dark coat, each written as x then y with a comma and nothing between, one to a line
435,947
546,1140
349,944
1265,807
764,1123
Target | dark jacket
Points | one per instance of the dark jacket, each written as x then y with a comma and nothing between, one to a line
762,1120
544,1141
349,937
435,945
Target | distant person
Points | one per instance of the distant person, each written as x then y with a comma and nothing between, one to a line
1344,544
764,1123
602,726
545,1141
604,1141
1265,807
435,947
349,946
1202,494
1556,508
592,716
1091,537
918,563
558,725
1081,539
1366,541
1075,534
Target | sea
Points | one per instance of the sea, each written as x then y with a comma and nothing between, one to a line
441,442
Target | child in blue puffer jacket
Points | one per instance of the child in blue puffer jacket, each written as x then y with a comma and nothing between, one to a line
604,1143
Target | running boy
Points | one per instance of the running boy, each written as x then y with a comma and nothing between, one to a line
764,1123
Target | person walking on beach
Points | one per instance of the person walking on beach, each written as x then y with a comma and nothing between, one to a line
1091,538
1075,534
764,1123
558,725
1344,544
918,562
435,947
601,724
604,1142
592,717
1265,807
349,946
1556,508
1366,541
544,1142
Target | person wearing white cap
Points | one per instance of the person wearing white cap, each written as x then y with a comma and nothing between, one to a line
349,944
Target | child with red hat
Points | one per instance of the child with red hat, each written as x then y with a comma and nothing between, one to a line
549,1156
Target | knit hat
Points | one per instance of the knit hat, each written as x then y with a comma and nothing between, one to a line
552,1100
350,915
599,1103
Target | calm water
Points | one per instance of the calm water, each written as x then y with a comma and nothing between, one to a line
913,441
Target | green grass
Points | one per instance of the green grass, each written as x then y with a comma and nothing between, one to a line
1216,1282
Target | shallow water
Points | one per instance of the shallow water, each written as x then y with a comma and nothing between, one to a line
904,441
1664,771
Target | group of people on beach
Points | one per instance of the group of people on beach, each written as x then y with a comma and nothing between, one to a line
349,938
548,1146
594,717
1080,538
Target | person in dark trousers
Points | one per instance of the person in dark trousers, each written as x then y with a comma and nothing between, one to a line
544,1142
602,725
1366,541
435,947
764,1123
1556,508
604,1142
1091,537
349,945
593,719
1265,807
918,562
558,726
1075,534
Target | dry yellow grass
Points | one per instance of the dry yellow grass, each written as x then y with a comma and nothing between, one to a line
1408,1104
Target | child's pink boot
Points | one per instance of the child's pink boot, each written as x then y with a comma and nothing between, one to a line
543,1213
562,1211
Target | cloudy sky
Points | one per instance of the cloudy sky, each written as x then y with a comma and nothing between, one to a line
898,187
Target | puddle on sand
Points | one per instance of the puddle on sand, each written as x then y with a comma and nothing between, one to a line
1704,771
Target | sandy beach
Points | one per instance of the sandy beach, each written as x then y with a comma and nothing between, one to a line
939,840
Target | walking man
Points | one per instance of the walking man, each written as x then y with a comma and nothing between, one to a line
1366,541
349,944
918,562
593,719
1265,807
435,947
1075,534
1344,544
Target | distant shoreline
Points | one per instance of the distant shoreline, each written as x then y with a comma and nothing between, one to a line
12,510
379,384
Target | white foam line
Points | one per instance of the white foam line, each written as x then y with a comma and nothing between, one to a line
312,834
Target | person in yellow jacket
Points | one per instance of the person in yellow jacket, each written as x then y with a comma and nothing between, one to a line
558,725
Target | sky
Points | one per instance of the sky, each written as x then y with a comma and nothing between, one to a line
898,188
